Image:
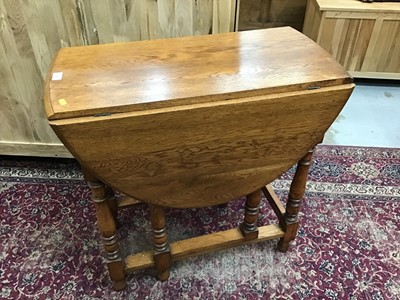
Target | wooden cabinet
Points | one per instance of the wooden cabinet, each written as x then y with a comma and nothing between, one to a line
363,37
32,31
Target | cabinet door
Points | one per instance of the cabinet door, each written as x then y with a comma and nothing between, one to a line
32,31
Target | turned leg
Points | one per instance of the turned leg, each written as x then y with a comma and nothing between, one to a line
291,221
249,226
111,201
101,196
162,254
113,205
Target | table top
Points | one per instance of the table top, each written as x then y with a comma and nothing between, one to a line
134,76
359,6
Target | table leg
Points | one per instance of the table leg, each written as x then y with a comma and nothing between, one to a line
162,254
101,196
111,201
291,220
113,205
249,226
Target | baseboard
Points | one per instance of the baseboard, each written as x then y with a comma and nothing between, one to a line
375,75
33,149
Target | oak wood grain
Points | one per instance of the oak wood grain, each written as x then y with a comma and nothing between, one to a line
220,137
203,244
144,75
274,201
204,154
290,223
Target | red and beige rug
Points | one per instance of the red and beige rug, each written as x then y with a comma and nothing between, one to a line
348,246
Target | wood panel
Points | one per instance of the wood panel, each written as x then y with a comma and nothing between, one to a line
363,37
22,79
347,40
224,12
32,31
388,52
255,14
312,20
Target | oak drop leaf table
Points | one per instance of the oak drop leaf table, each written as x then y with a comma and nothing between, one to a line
194,122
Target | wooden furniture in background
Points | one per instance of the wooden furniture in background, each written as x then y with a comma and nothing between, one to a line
31,33
255,14
363,37
194,122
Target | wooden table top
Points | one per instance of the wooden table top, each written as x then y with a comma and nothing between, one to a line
123,77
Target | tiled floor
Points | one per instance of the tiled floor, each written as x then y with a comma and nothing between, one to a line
371,117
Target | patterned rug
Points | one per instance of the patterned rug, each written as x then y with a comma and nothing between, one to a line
347,248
